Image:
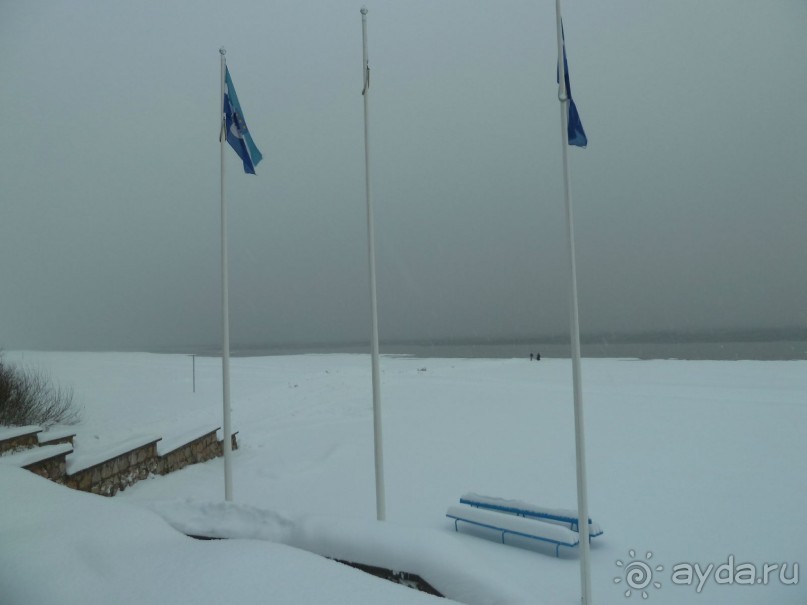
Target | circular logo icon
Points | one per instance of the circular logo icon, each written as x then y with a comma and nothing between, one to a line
638,574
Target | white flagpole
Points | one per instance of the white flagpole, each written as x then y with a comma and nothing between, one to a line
380,504
580,446
225,310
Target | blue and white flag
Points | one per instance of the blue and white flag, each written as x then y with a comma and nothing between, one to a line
237,133
577,136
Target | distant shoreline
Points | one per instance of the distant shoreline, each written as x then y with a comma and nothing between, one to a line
775,350
779,344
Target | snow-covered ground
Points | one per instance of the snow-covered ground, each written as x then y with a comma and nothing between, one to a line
699,463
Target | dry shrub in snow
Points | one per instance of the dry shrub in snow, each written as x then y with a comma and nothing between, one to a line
28,396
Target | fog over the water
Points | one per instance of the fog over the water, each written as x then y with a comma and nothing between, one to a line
690,201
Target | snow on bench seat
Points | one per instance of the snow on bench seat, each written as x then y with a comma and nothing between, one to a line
36,455
517,526
561,516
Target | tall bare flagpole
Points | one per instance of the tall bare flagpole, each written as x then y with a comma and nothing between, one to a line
225,310
380,503
580,447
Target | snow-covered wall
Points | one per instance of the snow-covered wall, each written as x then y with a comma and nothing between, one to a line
114,468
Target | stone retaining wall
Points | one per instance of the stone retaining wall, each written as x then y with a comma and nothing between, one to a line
111,476
48,461
44,439
200,449
20,442
108,477
52,468
233,442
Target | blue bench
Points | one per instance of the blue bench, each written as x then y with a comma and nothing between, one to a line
524,527
558,516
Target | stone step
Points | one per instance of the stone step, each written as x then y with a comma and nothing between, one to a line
54,436
47,461
16,438
110,469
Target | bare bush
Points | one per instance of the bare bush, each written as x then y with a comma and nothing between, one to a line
28,396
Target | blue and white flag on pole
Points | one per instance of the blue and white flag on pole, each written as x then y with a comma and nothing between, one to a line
577,136
237,133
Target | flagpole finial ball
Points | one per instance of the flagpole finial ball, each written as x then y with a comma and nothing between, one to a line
223,51
363,10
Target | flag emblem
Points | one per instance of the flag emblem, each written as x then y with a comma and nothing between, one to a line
236,129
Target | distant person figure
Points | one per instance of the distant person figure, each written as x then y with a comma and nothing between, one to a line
537,357
531,356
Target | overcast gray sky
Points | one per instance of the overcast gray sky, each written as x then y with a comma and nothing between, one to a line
690,201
